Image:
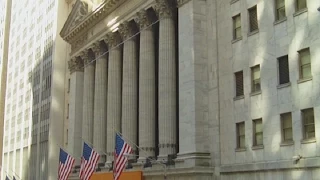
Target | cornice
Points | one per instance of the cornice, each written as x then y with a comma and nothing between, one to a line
182,2
91,19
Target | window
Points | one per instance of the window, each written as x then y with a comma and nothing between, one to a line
255,75
68,111
69,85
305,63
257,132
241,135
237,26
283,70
308,124
280,9
301,4
239,83
286,124
253,19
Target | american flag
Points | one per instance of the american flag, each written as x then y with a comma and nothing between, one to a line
122,148
65,165
88,162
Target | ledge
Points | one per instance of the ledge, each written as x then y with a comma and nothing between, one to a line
308,141
304,80
257,147
300,12
236,40
233,1
287,143
284,85
255,93
280,21
238,97
253,32
241,149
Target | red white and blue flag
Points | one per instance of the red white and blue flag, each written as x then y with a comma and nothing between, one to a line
120,159
89,161
65,165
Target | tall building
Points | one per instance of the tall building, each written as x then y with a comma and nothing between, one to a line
216,89
34,95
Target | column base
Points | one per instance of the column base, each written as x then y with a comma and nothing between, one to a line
194,159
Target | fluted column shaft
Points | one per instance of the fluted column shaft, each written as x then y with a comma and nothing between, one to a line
147,84
88,98
75,107
167,80
114,93
129,85
100,101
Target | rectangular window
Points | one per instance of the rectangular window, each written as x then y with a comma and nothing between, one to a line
283,70
68,111
305,63
301,4
253,19
255,75
280,9
308,123
239,83
286,124
69,85
237,26
241,135
257,132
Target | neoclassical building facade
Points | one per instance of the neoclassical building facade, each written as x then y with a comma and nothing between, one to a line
196,85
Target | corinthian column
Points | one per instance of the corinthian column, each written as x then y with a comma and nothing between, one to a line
129,85
147,86
88,98
100,100
114,93
167,80
75,107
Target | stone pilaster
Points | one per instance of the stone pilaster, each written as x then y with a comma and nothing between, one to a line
75,107
129,85
167,80
147,84
114,92
88,97
100,100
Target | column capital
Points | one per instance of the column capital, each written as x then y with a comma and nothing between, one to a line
84,56
164,9
113,39
75,64
126,30
182,2
143,19
96,48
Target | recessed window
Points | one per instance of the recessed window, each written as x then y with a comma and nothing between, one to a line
257,132
301,4
239,83
305,63
255,76
283,70
280,9
253,19
237,27
308,123
286,124
241,138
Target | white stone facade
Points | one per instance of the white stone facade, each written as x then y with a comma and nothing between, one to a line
196,107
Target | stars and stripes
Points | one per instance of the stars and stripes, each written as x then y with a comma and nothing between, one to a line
88,162
122,148
65,165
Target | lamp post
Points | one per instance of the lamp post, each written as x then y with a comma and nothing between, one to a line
152,160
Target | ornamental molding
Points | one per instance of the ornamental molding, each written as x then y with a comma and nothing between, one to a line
164,8
75,64
126,30
143,19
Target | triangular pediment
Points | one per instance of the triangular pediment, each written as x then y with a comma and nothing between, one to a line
78,14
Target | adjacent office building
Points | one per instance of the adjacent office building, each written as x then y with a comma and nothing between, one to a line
216,89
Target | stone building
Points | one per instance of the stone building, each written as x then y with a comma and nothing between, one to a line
214,89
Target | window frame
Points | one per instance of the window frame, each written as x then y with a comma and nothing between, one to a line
236,74
303,111
255,133
277,17
282,119
254,90
234,29
297,5
281,58
238,125
253,8
301,76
